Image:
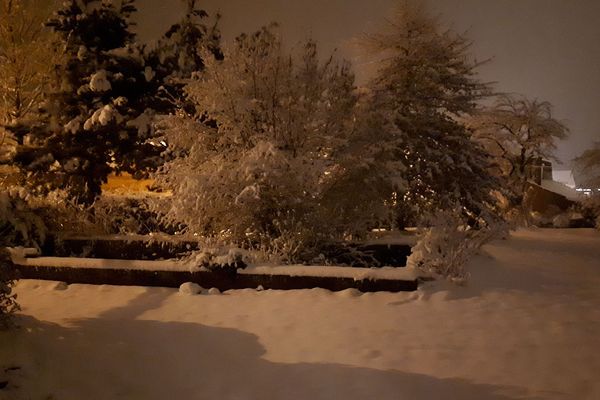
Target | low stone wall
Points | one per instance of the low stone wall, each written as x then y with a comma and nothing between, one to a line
223,279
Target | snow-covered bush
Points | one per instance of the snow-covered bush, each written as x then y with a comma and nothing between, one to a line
562,220
27,218
590,208
20,223
448,245
587,168
8,304
216,256
254,164
30,216
18,226
121,215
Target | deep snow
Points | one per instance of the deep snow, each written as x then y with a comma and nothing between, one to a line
526,327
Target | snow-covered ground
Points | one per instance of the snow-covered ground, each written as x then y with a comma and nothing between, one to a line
526,327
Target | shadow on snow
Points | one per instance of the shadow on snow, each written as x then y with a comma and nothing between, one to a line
117,356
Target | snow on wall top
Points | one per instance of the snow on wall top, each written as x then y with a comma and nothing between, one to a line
386,273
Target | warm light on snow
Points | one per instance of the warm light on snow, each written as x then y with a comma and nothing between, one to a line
525,327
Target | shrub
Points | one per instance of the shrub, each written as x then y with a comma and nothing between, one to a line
590,209
261,162
122,215
447,246
8,303
20,224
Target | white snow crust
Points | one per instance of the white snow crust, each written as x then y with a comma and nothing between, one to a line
101,263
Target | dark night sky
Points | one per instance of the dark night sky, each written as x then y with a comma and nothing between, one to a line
545,49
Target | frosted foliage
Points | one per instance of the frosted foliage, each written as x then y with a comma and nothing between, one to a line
99,82
73,126
260,174
19,223
591,207
8,304
101,117
517,132
8,146
143,124
259,93
587,168
27,58
81,53
445,248
149,74
425,83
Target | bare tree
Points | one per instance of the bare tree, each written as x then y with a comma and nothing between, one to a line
27,57
518,132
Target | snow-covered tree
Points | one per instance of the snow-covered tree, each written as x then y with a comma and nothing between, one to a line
95,118
518,132
261,150
178,54
99,112
587,167
425,84
27,57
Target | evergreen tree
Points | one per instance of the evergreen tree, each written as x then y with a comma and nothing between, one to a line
178,54
425,83
99,114
95,119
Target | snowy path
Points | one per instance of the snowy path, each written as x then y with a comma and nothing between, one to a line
527,327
